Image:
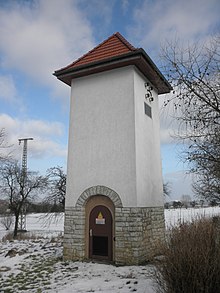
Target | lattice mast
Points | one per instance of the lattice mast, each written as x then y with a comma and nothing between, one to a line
22,217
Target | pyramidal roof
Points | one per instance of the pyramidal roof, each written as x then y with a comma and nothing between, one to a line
115,45
114,52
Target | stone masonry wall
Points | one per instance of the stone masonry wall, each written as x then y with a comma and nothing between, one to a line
74,234
137,234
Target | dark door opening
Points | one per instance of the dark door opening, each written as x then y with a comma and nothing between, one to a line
100,245
100,233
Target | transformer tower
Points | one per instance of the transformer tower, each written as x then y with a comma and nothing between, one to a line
114,191
22,218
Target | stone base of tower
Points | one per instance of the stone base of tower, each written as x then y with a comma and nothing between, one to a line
137,234
74,234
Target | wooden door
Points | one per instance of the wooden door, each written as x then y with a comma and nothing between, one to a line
100,233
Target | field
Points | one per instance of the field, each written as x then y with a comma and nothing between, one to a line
35,264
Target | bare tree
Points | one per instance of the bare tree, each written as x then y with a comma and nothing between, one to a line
3,145
7,220
166,189
186,199
195,76
57,186
16,190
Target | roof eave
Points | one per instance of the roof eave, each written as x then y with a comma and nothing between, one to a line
139,58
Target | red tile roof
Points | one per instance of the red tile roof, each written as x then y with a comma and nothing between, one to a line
115,45
114,52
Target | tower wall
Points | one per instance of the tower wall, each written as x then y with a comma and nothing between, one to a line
137,231
147,146
111,140
102,135
114,151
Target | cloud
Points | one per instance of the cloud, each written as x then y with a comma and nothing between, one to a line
156,21
47,137
38,38
43,128
100,14
8,90
125,4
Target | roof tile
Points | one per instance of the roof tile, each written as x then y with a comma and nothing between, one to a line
115,45
114,52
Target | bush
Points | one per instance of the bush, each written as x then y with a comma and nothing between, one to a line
191,259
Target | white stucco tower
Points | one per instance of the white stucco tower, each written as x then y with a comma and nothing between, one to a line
114,200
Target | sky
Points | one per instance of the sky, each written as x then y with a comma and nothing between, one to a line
40,36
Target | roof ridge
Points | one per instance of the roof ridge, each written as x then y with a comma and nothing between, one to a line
114,52
117,34
125,42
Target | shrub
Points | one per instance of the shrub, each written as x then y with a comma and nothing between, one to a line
191,259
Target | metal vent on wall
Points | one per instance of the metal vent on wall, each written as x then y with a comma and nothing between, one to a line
147,110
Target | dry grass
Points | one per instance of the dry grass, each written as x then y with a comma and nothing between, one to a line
20,236
191,259
30,236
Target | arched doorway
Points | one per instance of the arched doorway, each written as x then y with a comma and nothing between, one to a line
92,208
100,233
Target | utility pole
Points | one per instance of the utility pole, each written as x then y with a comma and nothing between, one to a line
22,217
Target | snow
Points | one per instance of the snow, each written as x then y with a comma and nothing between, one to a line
36,265
180,215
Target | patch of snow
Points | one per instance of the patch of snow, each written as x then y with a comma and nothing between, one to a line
180,215
36,265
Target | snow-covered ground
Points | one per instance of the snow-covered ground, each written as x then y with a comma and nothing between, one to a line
36,265
176,216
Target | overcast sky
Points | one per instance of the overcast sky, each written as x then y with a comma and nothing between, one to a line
39,37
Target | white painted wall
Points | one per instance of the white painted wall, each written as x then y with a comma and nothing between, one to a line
111,141
101,137
147,140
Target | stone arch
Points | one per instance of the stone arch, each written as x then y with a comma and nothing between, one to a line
99,190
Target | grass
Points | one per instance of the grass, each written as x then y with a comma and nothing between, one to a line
30,276
21,236
35,271
29,236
